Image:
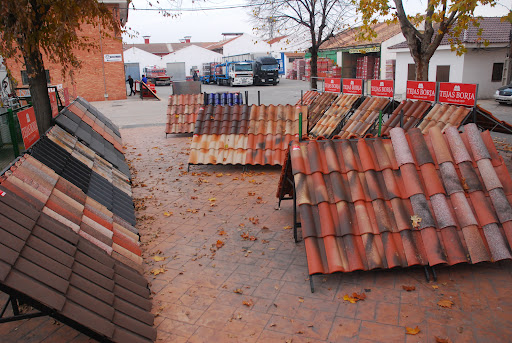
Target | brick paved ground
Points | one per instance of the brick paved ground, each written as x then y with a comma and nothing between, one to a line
194,295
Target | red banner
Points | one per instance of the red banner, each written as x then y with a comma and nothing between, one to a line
53,102
457,93
66,97
421,90
382,88
28,125
333,85
353,86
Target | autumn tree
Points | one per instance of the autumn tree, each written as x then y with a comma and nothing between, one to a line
30,29
425,31
315,20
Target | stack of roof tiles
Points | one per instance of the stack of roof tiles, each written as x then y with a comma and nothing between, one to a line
81,166
182,112
364,117
245,135
84,121
333,117
413,111
488,121
443,115
308,98
413,199
318,107
68,276
64,201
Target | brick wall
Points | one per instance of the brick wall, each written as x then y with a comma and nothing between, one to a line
88,81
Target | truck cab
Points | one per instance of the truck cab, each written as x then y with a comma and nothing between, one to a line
266,71
157,76
240,74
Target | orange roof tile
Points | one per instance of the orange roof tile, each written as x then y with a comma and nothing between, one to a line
333,117
182,112
410,200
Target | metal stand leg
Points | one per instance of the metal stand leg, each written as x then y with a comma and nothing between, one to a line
311,284
188,168
16,312
434,274
427,276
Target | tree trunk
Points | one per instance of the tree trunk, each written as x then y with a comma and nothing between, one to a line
314,68
38,89
422,63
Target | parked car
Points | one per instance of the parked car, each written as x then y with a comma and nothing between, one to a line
504,95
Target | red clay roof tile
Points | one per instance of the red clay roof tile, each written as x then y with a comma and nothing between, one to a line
356,205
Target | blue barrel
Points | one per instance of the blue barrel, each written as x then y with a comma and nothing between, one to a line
217,99
237,98
210,99
230,99
223,99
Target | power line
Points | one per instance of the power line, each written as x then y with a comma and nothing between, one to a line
194,9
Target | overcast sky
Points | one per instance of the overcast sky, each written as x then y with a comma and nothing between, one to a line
208,25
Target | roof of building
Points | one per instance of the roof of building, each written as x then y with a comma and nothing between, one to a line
276,39
493,30
347,38
410,200
164,48
239,134
218,45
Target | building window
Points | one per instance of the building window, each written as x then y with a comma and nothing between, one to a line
411,72
443,74
24,77
497,72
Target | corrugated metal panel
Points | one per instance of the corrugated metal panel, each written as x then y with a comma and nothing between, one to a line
245,135
413,199
363,117
334,115
182,112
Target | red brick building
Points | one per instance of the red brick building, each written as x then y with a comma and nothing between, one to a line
102,74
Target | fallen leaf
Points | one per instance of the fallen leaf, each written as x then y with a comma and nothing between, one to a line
158,271
287,227
219,244
238,290
212,199
464,184
301,299
248,303
416,220
411,331
167,214
445,303
272,325
264,228
245,236
222,233
442,340
300,332
251,193
408,288
219,175
159,258
435,286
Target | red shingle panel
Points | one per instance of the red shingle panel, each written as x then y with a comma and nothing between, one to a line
357,205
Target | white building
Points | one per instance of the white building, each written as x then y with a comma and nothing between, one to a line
189,58
481,64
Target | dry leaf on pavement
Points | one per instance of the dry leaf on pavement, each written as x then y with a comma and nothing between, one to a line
445,303
411,331
158,271
408,288
248,303
159,258
219,244
167,214
442,340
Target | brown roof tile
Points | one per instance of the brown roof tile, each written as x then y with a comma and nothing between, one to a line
182,112
241,134
357,199
347,38
333,117
413,112
363,118
442,116
53,265
307,98
318,106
